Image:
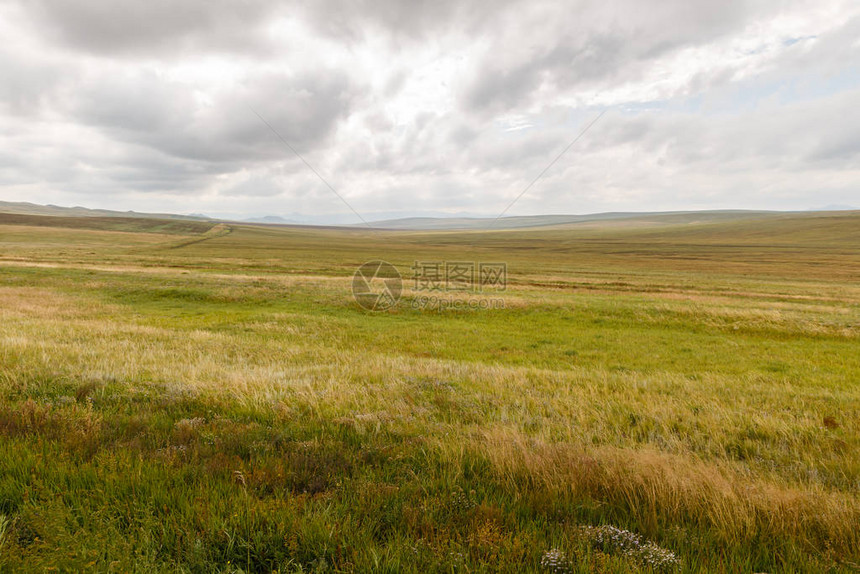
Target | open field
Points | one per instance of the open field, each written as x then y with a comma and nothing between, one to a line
180,396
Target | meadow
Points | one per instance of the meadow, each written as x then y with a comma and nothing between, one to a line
662,395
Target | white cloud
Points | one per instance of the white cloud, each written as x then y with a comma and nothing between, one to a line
442,107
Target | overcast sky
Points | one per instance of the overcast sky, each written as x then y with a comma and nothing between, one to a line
446,106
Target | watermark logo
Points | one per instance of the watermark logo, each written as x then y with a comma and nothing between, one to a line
453,276
377,286
439,285
440,303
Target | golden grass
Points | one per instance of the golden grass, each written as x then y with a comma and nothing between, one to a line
755,446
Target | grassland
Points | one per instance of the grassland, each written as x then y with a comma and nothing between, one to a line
178,397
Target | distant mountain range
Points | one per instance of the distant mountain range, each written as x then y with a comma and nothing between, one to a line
835,207
273,219
526,221
25,208
440,223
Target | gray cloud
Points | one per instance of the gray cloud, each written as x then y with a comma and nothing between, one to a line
144,110
153,27
567,46
429,106
404,22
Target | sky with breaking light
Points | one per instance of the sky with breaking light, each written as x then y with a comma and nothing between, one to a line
443,107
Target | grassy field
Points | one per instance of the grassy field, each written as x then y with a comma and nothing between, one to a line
663,395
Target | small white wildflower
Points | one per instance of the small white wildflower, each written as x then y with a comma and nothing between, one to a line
462,502
612,540
555,561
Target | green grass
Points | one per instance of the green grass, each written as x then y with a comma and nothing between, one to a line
213,400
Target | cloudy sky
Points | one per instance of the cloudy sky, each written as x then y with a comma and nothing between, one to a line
443,106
